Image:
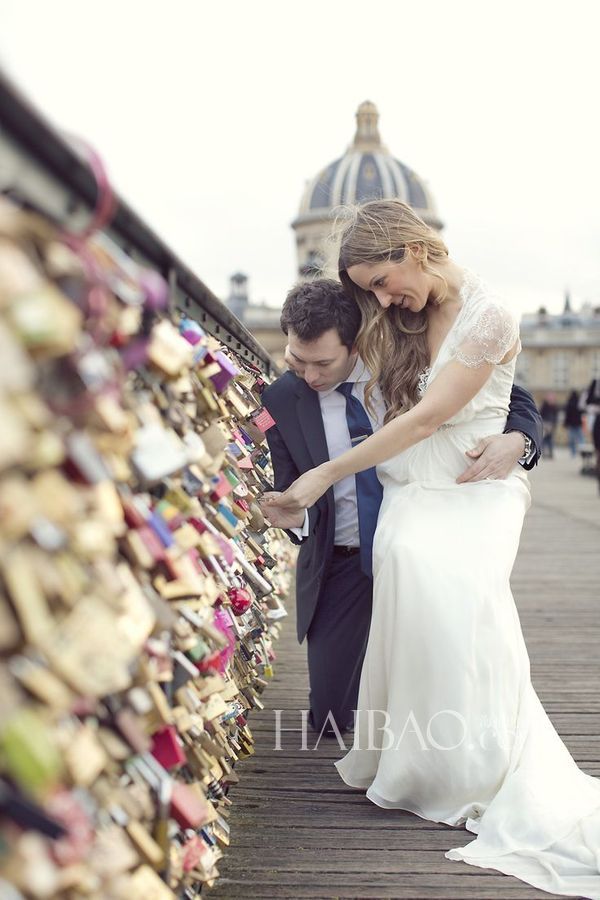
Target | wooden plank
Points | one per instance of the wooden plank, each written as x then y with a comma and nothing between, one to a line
274,884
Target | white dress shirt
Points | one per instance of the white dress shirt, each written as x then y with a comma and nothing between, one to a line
333,411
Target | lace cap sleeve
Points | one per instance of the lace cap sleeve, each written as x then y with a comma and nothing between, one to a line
487,336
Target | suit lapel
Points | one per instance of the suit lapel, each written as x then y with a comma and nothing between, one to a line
308,410
311,422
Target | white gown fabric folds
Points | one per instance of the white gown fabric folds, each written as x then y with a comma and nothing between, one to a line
448,724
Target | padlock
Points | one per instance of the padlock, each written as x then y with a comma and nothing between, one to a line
167,748
240,600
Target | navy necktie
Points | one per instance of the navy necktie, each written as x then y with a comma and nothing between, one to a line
368,487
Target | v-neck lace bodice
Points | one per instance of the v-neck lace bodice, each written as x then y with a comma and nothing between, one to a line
483,330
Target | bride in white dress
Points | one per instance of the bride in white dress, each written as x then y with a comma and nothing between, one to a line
448,725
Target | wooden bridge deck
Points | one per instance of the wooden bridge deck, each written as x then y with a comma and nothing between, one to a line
298,831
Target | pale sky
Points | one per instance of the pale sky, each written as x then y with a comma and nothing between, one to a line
211,118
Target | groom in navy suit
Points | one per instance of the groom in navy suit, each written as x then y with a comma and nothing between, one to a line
319,413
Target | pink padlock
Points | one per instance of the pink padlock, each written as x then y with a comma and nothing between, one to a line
167,748
240,600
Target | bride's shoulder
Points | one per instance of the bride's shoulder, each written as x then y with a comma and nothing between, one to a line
487,327
478,298
474,285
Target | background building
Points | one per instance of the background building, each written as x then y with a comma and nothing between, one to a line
367,171
260,319
561,352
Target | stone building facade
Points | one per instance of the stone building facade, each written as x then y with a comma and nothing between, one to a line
561,353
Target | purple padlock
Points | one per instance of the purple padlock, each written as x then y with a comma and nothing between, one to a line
191,331
228,371
155,288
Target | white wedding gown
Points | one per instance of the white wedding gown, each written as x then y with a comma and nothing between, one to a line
466,739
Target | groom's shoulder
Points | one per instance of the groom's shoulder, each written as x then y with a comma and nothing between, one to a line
282,389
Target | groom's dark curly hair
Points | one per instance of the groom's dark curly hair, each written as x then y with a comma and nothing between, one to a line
312,308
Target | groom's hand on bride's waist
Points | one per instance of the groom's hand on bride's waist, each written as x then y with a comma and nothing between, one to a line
493,457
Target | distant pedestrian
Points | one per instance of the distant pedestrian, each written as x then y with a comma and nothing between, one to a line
549,412
573,422
593,404
596,440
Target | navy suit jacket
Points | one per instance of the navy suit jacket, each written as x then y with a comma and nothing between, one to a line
297,443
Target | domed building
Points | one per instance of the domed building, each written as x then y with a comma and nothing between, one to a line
367,171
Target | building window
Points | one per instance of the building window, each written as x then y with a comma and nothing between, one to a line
560,369
596,364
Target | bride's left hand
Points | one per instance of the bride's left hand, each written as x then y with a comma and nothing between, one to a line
302,493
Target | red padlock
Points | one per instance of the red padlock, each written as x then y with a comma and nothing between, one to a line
167,748
210,662
240,600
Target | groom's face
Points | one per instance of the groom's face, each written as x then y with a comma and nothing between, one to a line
322,363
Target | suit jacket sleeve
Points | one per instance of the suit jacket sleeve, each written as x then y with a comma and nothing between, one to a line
286,472
524,416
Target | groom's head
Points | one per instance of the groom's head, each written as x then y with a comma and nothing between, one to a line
321,323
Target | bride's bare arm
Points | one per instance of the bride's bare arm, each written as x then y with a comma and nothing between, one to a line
447,394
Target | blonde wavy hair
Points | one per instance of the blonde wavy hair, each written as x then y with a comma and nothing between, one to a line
392,342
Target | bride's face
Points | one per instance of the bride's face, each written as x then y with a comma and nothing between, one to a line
403,284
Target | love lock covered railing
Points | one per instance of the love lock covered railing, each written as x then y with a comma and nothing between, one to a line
141,590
